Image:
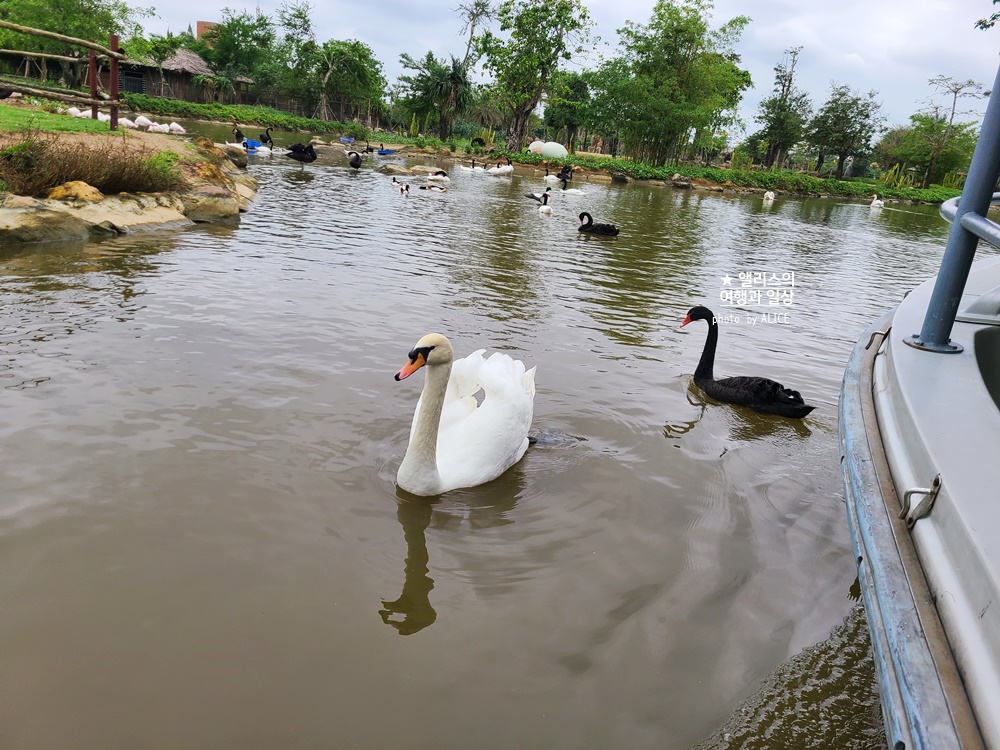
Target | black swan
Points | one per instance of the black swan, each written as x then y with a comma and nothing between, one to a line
760,394
265,138
587,225
300,153
355,161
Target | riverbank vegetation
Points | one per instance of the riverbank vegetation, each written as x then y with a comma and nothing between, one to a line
665,102
32,162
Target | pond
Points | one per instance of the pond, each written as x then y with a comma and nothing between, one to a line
202,542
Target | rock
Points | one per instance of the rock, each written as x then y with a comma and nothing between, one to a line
620,177
394,169
40,224
236,155
210,203
683,184
77,191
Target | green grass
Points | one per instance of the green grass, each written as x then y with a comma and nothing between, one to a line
21,118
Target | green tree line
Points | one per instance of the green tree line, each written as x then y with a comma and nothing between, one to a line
670,93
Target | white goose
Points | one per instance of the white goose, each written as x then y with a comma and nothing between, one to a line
455,441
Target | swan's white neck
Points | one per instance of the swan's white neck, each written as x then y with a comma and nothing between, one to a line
418,473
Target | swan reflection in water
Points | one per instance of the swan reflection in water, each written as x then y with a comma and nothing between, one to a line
456,513
414,603
745,424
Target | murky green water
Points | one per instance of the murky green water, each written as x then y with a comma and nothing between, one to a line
201,540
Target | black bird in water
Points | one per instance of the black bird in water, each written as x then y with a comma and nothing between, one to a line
265,138
760,394
300,153
587,225
355,160
238,133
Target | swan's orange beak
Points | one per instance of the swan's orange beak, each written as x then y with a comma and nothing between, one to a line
416,362
687,319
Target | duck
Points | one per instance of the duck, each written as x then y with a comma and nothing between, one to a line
455,441
432,188
760,394
768,195
877,202
175,128
355,159
587,225
403,189
439,176
300,153
570,191
265,138
238,134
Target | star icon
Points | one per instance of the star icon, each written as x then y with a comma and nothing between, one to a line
727,280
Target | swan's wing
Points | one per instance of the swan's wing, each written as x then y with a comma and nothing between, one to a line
491,438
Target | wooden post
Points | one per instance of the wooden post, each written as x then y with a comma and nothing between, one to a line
93,82
113,45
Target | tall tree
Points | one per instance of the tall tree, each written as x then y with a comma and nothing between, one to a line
938,127
540,35
438,87
989,22
566,104
474,12
676,76
239,44
784,115
845,124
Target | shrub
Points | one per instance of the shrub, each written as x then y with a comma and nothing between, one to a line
32,163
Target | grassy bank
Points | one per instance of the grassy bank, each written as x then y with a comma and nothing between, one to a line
784,180
24,118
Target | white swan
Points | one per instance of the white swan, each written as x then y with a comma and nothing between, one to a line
877,202
127,123
176,128
143,122
769,195
73,112
570,191
454,441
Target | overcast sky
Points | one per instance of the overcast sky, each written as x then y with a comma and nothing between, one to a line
892,46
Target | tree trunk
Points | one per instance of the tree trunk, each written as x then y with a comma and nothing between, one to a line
930,169
841,158
518,127
819,163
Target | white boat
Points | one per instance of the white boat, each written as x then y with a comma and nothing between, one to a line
920,455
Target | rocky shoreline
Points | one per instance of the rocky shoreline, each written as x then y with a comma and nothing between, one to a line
215,190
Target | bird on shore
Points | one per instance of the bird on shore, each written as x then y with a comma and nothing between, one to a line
759,394
588,226
305,154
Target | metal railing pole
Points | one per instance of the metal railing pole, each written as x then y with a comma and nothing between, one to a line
961,248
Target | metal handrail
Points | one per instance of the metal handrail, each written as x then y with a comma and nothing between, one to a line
969,224
983,228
